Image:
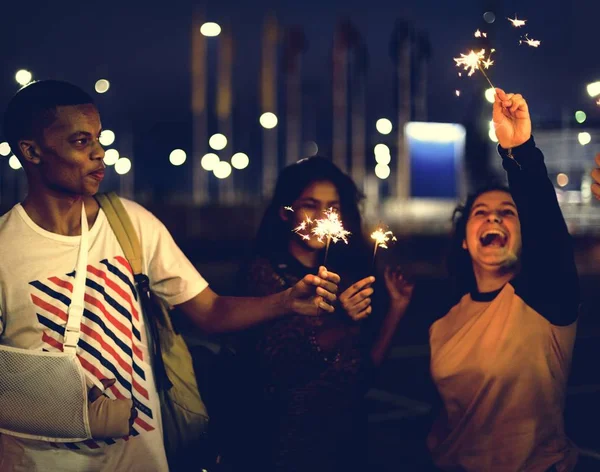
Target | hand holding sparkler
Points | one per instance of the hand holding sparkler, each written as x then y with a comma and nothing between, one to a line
511,119
314,293
356,300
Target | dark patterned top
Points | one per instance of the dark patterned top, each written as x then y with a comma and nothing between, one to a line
312,374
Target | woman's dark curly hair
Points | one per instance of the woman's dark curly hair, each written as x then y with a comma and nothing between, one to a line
459,263
274,233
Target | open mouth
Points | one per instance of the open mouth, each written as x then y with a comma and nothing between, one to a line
493,238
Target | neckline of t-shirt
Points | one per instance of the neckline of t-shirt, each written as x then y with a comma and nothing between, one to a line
485,296
59,237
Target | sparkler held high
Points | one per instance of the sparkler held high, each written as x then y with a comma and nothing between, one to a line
475,60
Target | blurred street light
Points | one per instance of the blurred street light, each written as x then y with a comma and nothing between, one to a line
209,161
580,116
268,120
107,137
23,77
111,156
177,157
584,138
562,179
102,86
382,171
384,126
4,149
311,148
240,160
222,170
210,29
14,162
381,150
217,141
122,166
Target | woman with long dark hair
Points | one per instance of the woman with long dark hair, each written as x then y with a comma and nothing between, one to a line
312,374
500,358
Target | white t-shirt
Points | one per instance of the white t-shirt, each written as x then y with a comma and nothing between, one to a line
36,277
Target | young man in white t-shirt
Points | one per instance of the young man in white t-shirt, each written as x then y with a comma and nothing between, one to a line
54,128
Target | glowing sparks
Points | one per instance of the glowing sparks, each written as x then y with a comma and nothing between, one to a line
534,43
329,228
473,61
487,63
288,208
516,22
480,34
457,92
382,237
460,74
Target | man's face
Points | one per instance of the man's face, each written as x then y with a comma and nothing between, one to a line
71,157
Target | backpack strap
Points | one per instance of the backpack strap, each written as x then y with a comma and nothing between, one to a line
122,227
119,221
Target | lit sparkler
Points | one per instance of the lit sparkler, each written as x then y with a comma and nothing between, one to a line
480,34
516,22
328,229
381,238
531,42
475,60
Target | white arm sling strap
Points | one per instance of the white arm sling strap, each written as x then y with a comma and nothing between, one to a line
43,395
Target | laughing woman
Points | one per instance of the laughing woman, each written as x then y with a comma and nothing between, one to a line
500,358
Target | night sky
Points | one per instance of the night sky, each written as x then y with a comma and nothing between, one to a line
143,49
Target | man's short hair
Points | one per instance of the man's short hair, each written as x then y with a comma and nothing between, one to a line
33,108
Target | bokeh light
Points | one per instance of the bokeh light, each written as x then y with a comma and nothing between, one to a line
177,157
122,166
102,86
268,120
222,170
240,160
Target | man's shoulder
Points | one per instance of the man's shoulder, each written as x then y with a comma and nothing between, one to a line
136,212
6,219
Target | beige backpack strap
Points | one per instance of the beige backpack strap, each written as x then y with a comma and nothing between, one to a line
119,221
121,225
